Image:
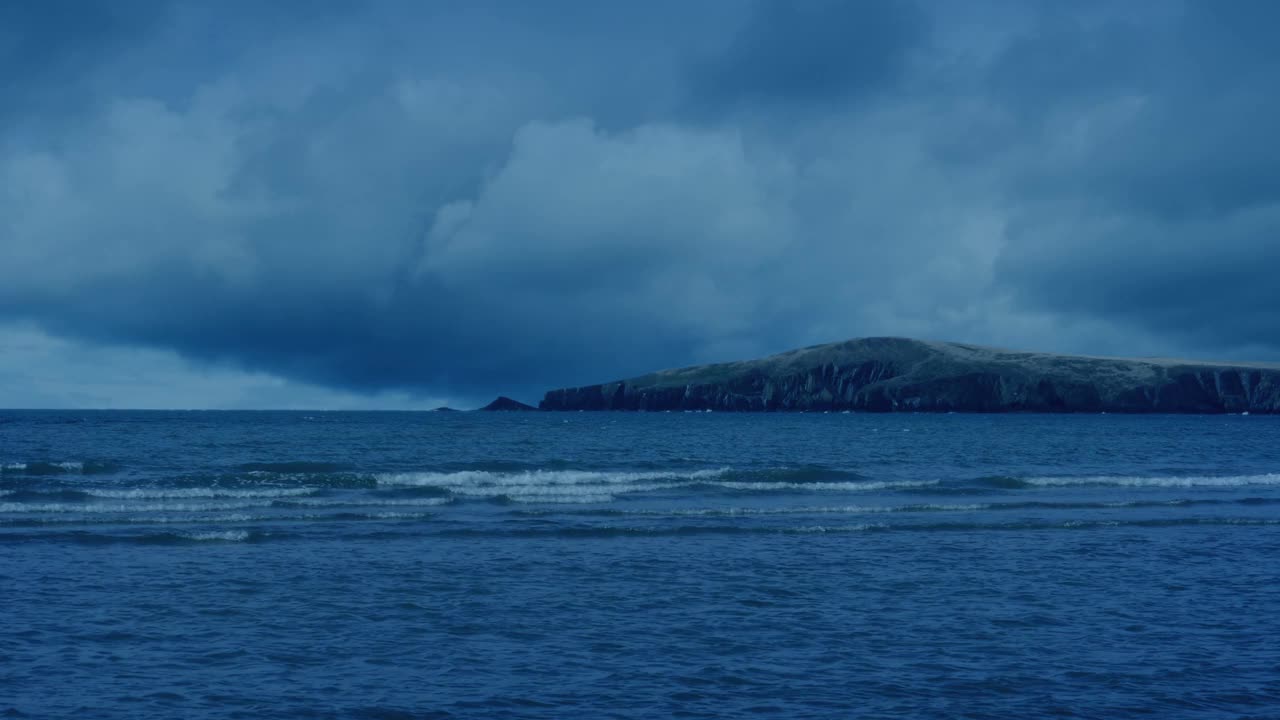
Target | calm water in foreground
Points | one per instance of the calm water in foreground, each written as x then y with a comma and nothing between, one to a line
387,565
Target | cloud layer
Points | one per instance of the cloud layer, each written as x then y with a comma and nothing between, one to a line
448,201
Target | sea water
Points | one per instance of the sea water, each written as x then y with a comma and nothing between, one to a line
599,565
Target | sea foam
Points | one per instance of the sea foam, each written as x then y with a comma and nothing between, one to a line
585,486
178,493
217,535
126,508
1159,481
551,486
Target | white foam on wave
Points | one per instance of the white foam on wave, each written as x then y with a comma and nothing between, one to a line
474,479
1159,481
374,502
864,486
575,494
585,486
821,529
1072,524
1251,521
549,486
280,476
222,535
581,498
814,510
182,493
26,508
67,465
968,507
230,519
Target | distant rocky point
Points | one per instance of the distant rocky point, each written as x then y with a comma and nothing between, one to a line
884,374
506,404
444,408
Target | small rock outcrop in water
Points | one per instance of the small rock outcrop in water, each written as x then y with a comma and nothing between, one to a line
898,374
506,404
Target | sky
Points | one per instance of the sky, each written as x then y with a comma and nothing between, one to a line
331,204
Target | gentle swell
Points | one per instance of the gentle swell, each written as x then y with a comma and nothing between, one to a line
295,466
614,531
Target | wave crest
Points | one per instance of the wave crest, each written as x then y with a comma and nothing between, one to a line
1157,481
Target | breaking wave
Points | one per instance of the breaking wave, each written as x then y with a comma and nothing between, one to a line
729,512
472,479
65,467
12,507
247,501
549,486
218,535
1227,481
173,493
366,502
585,486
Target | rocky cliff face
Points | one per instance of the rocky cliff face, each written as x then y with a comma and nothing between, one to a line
895,374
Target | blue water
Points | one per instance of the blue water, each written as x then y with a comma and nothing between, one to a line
436,565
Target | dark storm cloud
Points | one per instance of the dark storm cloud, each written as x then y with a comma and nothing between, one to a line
1166,213
274,214
508,196
818,52
49,50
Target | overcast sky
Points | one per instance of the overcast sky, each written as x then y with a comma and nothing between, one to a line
402,204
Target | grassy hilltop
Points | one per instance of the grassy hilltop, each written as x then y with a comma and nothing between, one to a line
899,374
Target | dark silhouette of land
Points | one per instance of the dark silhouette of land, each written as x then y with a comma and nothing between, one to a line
884,374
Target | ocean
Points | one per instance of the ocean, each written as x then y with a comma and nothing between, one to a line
608,565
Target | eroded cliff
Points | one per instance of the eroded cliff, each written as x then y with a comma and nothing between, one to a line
898,374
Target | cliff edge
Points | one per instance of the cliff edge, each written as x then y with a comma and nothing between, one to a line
900,374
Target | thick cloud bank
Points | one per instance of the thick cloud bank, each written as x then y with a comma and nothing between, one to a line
450,200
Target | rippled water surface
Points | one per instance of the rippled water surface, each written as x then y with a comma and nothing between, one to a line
406,565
